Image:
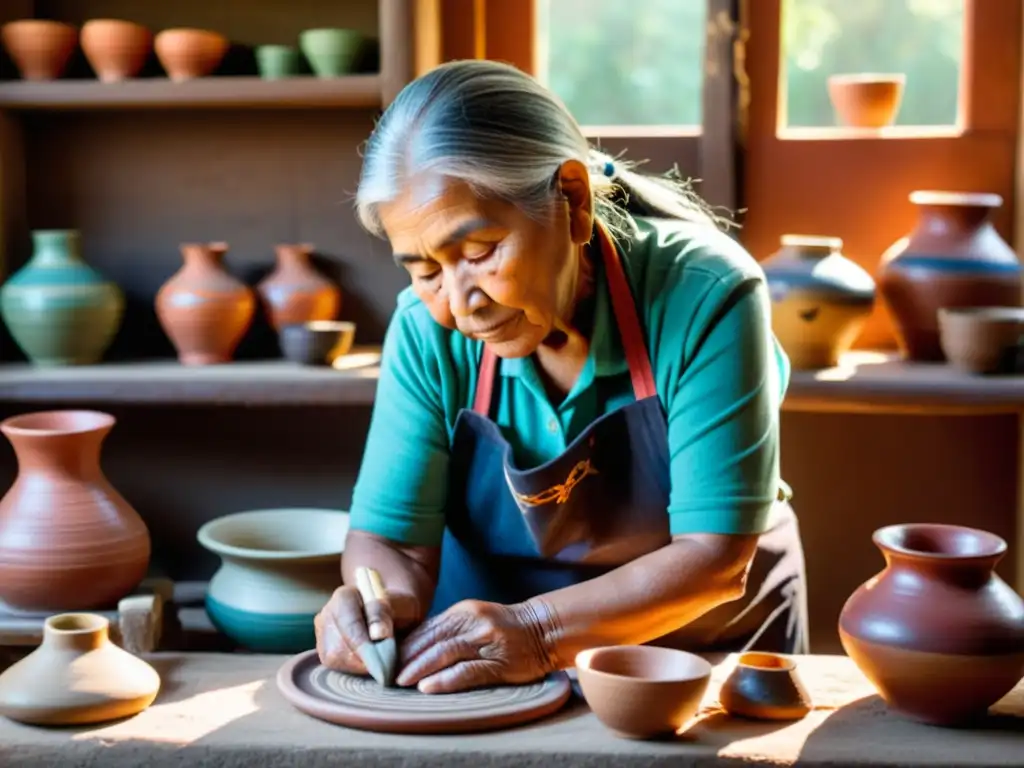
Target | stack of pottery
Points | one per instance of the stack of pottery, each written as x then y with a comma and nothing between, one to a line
295,292
820,299
953,258
58,309
68,539
203,309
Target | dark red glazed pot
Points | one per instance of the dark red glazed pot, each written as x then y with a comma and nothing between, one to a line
937,632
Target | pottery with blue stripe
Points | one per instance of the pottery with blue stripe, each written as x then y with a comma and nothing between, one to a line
820,299
279,567
58,309
953,258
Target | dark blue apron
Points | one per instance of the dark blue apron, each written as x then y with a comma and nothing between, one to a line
515,533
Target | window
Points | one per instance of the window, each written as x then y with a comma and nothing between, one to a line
621,63
920,39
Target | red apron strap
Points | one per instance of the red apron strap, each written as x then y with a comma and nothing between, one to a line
626,318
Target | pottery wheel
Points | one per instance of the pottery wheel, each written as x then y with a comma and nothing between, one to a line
359,702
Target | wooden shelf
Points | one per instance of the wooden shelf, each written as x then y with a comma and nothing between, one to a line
202,93
873,382
262,383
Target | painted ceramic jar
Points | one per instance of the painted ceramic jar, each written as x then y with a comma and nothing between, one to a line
953,258
937,632
203,309
820,299
77,676
58,309
295,293
68,539
279,567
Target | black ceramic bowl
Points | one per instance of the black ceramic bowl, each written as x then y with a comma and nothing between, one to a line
318,342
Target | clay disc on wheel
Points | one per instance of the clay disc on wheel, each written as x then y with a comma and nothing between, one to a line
359,702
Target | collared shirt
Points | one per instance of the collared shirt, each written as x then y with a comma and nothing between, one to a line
719,372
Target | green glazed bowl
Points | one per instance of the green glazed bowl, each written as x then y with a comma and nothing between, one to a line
277,61
331,52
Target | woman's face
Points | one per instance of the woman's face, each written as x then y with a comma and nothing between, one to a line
485,268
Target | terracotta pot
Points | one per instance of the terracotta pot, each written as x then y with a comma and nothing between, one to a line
279,567
937,632
76,676
820,299
983,340
866,100
40,49
204,310
953,258
295,292
116,50
186,54
68,539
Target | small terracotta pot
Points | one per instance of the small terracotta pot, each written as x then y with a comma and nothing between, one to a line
640,691
295,292
116,50
866,100
765,686
190,53
40,49
982,340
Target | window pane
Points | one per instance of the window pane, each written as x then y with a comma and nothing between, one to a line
625,62
922,39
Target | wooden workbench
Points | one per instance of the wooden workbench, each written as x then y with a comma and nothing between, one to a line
224,710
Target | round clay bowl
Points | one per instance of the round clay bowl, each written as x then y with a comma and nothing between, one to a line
116,50
330,52
190,53
40,49
319,342
982,340
642,692
866,100
764,686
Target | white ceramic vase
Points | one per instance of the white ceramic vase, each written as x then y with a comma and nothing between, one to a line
279,567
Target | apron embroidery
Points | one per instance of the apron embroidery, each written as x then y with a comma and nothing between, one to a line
558,493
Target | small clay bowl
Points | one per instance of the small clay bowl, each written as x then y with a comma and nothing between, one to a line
186,54
317,343
982,340
765,686
642,692
866,100
116,50
40,49
331,52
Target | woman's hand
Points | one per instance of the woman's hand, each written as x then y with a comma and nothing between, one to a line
474,644
344,624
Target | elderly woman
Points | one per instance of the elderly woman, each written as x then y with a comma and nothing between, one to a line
575,440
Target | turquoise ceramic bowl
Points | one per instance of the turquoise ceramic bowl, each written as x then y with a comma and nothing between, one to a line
331,52
263,632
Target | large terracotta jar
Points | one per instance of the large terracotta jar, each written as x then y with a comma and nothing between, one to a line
820,299
59,310
953,258
68,539
295,292
204,310
937,632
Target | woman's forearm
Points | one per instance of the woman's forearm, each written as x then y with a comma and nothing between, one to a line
642,600
409,574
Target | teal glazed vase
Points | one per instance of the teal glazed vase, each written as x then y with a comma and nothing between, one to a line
58,309
331,52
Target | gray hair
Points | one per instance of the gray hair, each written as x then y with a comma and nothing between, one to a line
501,132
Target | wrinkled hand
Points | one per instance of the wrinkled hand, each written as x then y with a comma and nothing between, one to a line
343,625
474,644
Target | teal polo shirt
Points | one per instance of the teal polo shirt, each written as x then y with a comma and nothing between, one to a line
719,372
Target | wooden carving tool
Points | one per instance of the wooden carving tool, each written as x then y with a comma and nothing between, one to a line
379,655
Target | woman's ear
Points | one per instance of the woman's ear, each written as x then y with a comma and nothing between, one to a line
574,184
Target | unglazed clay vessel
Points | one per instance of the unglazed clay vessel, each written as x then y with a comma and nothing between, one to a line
318,343
59,310
820,299
68,539
76,677
937,632
765,686
866,100
279,567
295,292
204,310
40,49
116,49
642,692
953,258
186,54
983,340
